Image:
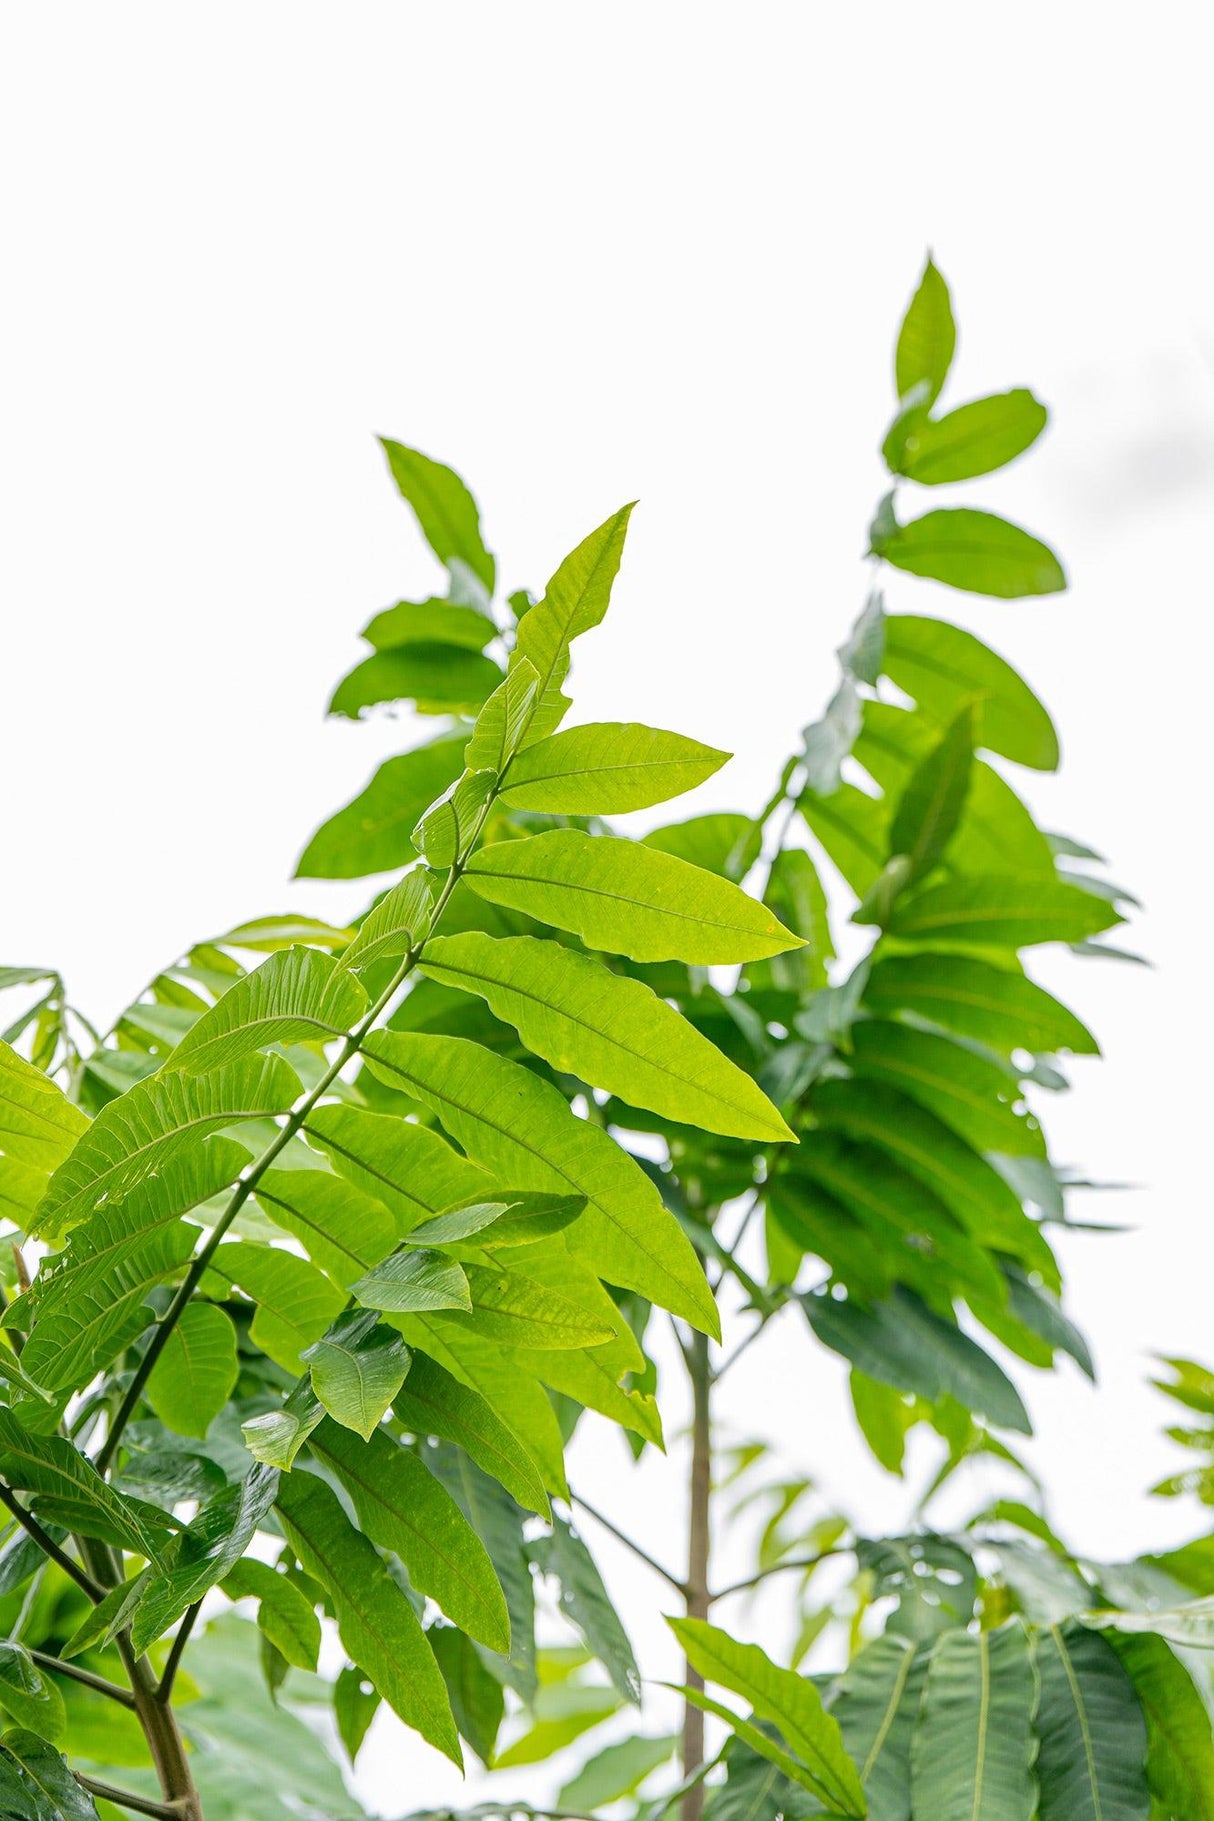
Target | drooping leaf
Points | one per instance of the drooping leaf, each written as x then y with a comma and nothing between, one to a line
29,1695
585,1603
606,769
284,1613
446,511
522,1130
1001,910
477,1699
374,833
976,551
356,1702
972,1751
52,1468
575,600
943,666
902,1343
432,1402
829,741
616,1771
193,1378
974,439
495,1518
357,1367
963,994
627,898
402,1507
971,1094
398,923
431,622
202,1555
154,1123
610,1031
375,1620
863,652
38,1128
788,1700
1092,1738
926,340
448,677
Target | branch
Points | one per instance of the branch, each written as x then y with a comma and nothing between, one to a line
804,1561
50,1547
125,1798
164,1692
641,1554
112,1690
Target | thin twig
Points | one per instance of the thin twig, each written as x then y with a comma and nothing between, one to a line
114,1691
732,1358
805,1561
125,1798
50,1547
164,1692
641,1554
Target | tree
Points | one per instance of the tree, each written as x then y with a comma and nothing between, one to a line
340,1233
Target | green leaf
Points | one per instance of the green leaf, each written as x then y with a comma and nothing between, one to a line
432,622
38,1128
1001,910
564,1712
788,1700
973,1748
585,1603
764,1747
447,677
521,1129
449,827
877,1706
630,899
276,1436
1092,1738
284,1613
505,720
397,924
375,1620
374,833
412,1171
1180,1750
884,1418
432,1402
942,667
971,550
204,1554
88,1300
606,769
407,1282
494,1517
519,1221
901,1343
975,439
153,1124
963,994
974,1096
50,1467
863,652
355,1704
357,1368
446,511
829,741
345,1230
933,802
103,1622
295,1301
575,599
264,935
193,1378
617,1771
29,1695
853,828
725,844
511,1307
298,996
36,1784
476,1697
926,340
610,1031
402,1507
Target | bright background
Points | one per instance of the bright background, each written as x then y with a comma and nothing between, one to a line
586,253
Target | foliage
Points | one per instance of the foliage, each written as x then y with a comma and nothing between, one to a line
339,1234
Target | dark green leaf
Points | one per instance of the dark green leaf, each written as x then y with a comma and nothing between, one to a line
973,1749
585,1603
432,1402
1092,1738
36,1784
933,802
29,1694
193,1378
991,1004
357,1368
476,1697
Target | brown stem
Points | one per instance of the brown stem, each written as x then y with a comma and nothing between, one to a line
698,1544
125,1798
165,1743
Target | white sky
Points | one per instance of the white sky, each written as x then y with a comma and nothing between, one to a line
586,253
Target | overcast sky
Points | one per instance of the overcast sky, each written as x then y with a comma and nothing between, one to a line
587,253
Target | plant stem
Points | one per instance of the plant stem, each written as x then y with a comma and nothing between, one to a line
125,1798
164,1692
113,1691
802,1561
164,1741
50,1547
621,1537
697,1598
